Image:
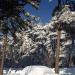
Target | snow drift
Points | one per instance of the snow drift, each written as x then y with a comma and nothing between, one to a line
39,70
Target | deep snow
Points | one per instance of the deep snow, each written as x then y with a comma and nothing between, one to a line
39,70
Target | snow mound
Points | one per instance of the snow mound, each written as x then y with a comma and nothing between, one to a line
31,70
39,70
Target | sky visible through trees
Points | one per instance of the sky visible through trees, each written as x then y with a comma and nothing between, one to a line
45,10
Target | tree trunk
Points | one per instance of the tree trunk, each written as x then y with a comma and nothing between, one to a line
3,54
59,3
57,52
70,60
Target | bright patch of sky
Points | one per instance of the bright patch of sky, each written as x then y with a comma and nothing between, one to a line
45,10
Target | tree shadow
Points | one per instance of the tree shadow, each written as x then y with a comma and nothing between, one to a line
68,71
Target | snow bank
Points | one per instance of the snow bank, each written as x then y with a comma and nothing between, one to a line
30,70
39,70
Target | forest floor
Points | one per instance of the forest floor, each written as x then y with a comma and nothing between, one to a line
39,70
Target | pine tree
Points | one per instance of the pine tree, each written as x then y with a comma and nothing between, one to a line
10,20
58,11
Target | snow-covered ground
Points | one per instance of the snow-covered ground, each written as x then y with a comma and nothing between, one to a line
39,70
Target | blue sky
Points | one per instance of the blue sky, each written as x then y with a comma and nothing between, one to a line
44,11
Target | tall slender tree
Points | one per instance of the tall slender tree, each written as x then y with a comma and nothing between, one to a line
11,21
58,9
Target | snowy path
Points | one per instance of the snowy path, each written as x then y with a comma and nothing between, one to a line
39,70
